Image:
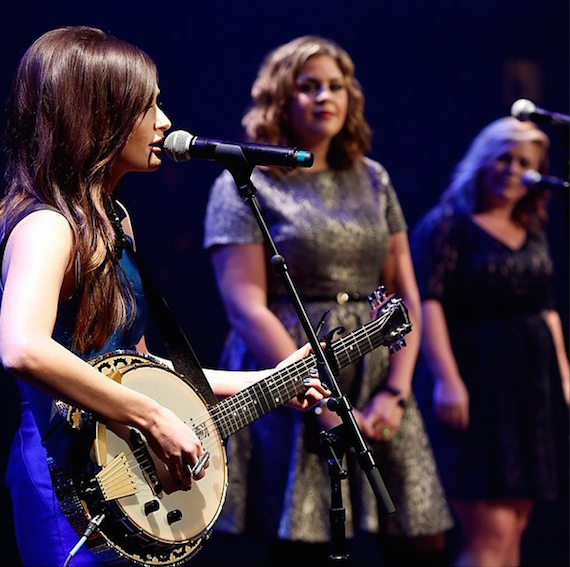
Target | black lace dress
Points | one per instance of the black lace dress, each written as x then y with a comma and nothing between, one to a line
516,444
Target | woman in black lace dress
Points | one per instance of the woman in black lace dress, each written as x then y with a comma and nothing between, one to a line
493,345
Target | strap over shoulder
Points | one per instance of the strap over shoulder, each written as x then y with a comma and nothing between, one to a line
177,345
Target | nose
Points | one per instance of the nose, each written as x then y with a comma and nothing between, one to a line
516,168
323,92
510,166
163,122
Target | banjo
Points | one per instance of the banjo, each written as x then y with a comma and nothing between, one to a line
121,497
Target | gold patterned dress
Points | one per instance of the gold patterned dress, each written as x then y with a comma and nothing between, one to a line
332,229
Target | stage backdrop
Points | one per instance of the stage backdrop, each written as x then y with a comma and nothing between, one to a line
434,74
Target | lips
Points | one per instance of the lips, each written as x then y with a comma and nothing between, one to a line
324,114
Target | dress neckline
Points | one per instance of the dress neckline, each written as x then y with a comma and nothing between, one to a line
497,238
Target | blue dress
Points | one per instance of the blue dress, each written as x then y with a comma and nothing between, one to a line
43,533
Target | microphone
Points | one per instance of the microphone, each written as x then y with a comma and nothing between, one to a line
524,109
532,179
182,146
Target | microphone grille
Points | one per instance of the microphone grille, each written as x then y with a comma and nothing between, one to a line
522,109
530,178
176,145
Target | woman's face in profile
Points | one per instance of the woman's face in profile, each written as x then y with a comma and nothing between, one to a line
142,150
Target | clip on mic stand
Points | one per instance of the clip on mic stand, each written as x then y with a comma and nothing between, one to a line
236,163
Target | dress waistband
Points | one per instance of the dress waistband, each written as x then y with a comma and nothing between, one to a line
342,297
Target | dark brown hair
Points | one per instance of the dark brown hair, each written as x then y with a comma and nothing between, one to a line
74,101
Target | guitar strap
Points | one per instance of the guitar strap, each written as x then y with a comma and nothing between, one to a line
177,345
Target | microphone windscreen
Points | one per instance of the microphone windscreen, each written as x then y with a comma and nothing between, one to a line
530,178
176,145
522,108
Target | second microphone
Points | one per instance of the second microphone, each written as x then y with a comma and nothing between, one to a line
183,146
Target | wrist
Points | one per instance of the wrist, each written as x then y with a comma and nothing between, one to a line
320,407
326,418
396,392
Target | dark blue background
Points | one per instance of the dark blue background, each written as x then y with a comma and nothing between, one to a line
434,73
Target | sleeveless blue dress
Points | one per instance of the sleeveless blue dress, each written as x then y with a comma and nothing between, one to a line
43,533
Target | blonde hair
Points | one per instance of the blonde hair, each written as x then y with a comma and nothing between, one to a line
466,190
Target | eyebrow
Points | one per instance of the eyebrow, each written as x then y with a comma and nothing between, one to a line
316,80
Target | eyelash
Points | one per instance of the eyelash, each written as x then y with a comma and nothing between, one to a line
309,88
507,158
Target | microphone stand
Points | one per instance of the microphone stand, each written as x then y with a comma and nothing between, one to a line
348,433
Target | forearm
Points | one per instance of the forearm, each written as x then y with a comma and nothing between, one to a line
403,361
264,335
555,325
226,383
450,395
436,344
53,369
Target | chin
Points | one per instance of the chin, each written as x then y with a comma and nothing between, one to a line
154,164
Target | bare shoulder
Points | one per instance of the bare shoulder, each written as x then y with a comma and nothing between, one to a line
46,222
41,230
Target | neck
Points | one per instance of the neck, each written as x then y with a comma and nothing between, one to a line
504,212
320,152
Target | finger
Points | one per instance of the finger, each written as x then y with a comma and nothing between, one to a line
385,433
313,381
182,475
199,465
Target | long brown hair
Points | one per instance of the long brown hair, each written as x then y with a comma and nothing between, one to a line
74,101
268,121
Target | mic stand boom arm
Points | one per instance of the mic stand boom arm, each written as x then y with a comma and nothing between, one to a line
241,171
